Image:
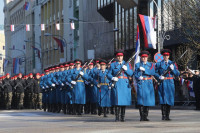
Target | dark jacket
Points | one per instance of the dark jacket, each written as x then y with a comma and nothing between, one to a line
37,88
19,85
30,85
7,85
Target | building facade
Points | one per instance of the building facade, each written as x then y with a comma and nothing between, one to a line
2,52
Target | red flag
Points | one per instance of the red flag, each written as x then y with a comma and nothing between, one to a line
60,44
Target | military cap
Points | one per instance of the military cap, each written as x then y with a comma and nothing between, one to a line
144,54
103,62
119,52
166,52
78,61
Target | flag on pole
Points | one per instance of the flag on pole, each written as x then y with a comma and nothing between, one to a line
57,26
36,49
5,64
27,27
15,65
60,43
26,6
72,26
154,21
12,28
148,31
137,49
42,27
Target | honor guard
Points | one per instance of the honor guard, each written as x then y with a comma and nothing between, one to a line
144,71
166,88
121,92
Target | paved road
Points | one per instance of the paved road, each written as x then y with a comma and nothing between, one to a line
31,121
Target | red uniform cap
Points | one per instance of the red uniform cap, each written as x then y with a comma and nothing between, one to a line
61,66
144,54
42,74
57,67
30,74
46,71
91,64
166,52
53,68
119,52
37,74
7,74
66,65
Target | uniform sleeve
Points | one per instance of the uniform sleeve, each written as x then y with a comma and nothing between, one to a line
129,71
137,72
157,70
109,75
176,71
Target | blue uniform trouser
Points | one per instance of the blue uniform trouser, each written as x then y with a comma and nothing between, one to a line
58,94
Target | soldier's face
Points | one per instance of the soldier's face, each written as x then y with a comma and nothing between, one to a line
91,66
71,67
103,67
166,57
66,68
62,69
120,58
144,59
98,65
57,70
8,76
78,65
37,76
31,76
20,76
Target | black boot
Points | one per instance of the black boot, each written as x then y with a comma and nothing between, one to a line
59,107
74,109
94,109
167,112
79,109
117,113
99,111
64,108
163,108
112,110
146,112
141,109
104,112
123,108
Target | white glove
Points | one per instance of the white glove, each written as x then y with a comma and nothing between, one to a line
62,84
172,67
142,69
140,78
115,79
81,73
57,83
124,67
43,87
67,83
161,77
98,85
73,82
53,85
47,86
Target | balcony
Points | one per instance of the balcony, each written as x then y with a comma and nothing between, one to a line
127,4
107,9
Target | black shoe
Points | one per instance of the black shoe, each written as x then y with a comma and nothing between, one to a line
99,111
104,112
117,114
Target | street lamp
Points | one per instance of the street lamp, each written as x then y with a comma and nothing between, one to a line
24,56
162,33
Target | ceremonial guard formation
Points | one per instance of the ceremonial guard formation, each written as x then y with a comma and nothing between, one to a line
95,87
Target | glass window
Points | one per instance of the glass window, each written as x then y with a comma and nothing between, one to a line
99,4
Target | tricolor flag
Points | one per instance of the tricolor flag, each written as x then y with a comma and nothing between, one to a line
60,43
148,32
137,49
137,57
5,64
72,25
42,27
26,6
57,26
28,27
190,88
12,28
15,65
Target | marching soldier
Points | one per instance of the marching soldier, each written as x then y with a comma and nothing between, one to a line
29,89
121,92
19,88
76,78
1,93
145,90
89,87
7,87
37,92
103,88
166,89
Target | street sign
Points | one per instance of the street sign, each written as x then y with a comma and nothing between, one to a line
158,57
